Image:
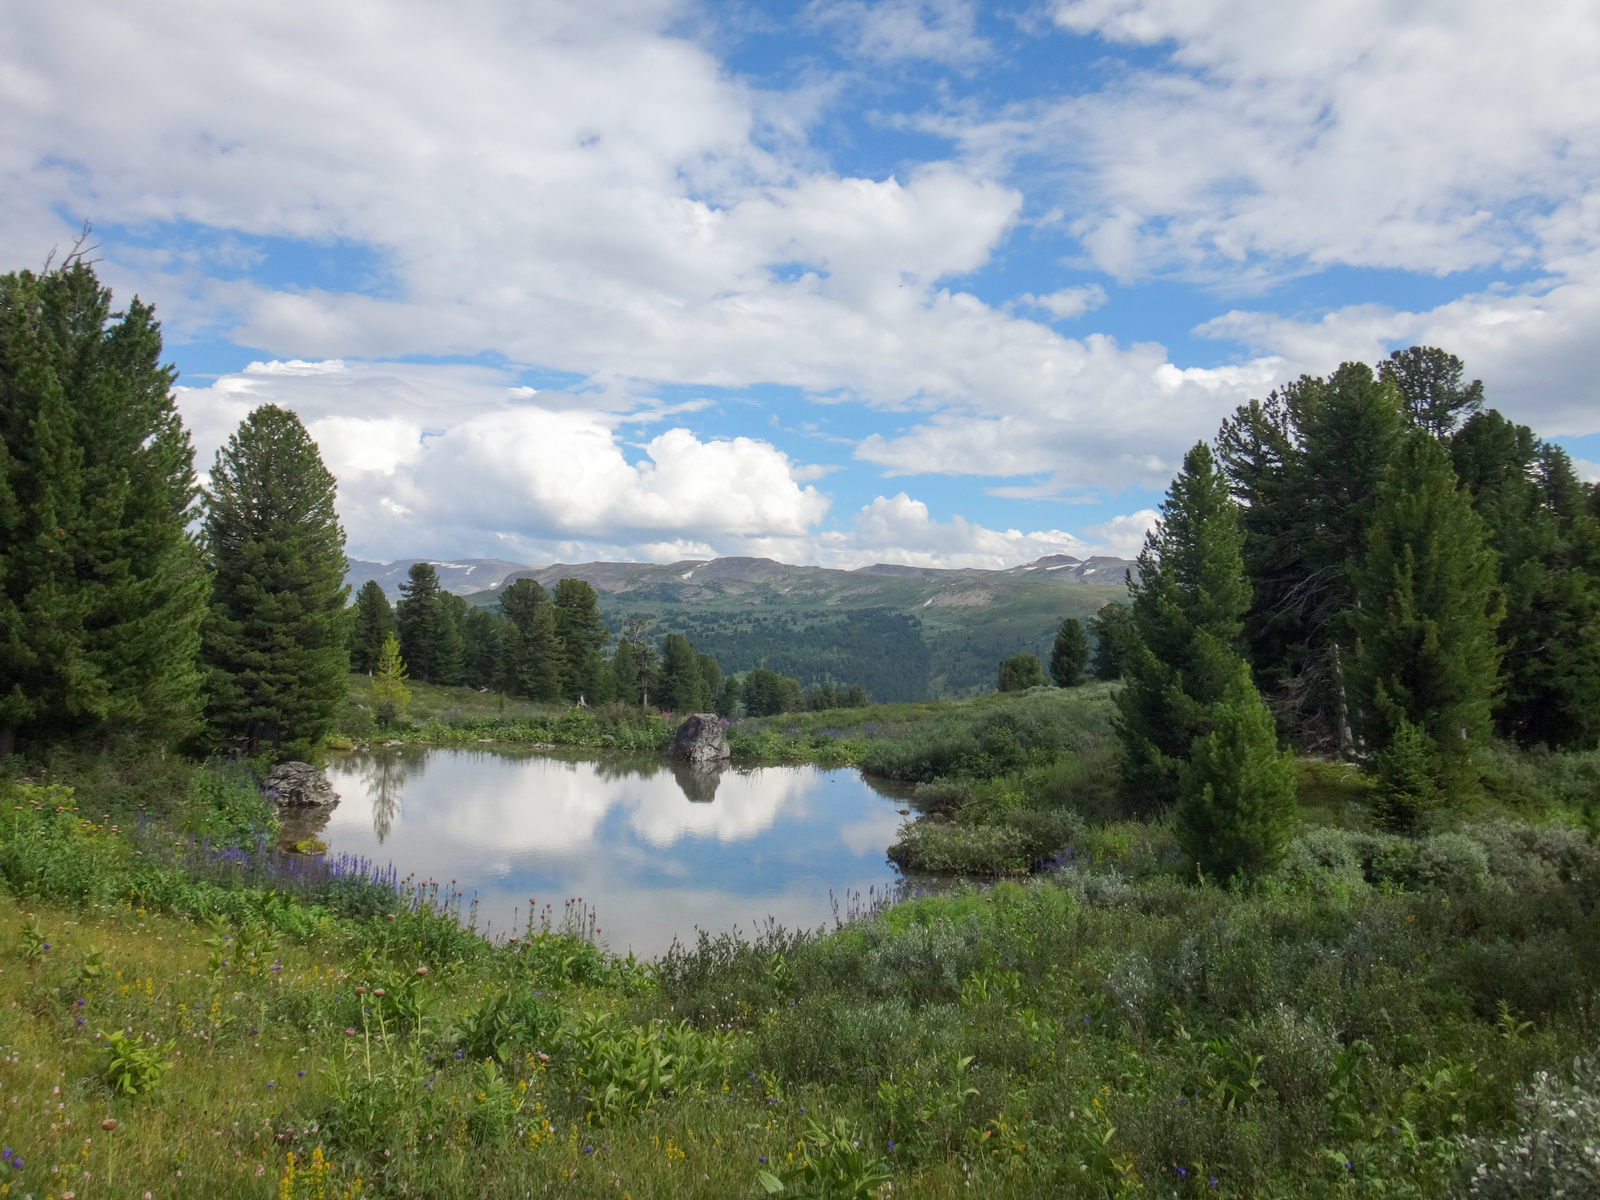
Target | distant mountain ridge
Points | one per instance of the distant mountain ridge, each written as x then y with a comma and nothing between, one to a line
474,576
906,633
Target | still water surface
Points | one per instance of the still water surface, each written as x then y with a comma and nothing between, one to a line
658,849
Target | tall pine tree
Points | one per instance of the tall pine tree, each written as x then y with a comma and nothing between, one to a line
373,623
1236,804
1530,498
430,641
1306,465
102,590
1188,607
532,661
583,636
1112,629
1429,604
275,641
1070,653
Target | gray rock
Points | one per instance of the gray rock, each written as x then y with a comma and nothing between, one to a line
298,783
699,740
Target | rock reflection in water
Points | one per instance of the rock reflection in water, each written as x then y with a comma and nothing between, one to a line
699,780
659,847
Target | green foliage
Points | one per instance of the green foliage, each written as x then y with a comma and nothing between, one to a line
766,693
1407,789
1555,1150
102,591
1018,673
1429,382
373,623
133,1068
275,643
1236,806
389,695
1114,640
533,662
682,686
505,1022
1070,654
1306,465
1549,548
832,1166
430,641
1188,609
1429,606
882,650
583,635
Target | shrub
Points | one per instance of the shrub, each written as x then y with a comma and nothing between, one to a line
1556,1152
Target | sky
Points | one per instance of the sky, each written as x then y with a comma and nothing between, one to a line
919,281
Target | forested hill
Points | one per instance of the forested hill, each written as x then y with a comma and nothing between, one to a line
905,633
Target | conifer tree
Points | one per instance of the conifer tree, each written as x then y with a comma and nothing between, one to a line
1236,805
452,664
683,686
482,635
1188,607
1112,630
532,661
430,642
1070,653
102,590
711,672
1429,605
625,672
1306,465
728,697
583,636
372,624
389,693
275,643
1429,382
1549,546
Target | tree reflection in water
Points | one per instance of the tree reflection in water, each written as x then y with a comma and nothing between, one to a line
384,774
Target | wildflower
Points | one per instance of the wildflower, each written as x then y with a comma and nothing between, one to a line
108,1124
762,1159
270,1084
348,1032
16,1162
301,1075
422,970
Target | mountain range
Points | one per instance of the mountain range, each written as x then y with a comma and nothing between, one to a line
906,633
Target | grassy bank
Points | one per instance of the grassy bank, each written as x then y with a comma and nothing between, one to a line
1345,1029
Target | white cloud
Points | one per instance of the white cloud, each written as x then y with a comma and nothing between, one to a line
1123,536
1587,471
943,31
1386,133
449,459
1068,302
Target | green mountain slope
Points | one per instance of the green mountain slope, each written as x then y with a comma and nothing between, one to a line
905,633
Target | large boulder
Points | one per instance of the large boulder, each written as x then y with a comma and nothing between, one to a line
298,783
699,740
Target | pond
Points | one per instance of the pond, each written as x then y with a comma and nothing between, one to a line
657,849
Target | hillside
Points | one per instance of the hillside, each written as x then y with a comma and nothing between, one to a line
905,633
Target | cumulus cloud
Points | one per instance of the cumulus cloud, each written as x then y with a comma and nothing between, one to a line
450,459
454,460
1123,536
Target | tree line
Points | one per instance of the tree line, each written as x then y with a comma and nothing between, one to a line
1371,564
548,645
